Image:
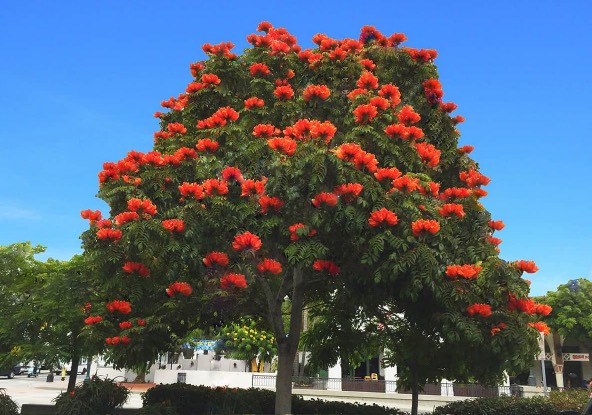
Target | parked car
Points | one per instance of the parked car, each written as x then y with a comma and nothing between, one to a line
9,372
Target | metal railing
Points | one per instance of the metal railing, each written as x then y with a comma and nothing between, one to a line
388,386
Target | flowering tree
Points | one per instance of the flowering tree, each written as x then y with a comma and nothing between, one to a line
283,174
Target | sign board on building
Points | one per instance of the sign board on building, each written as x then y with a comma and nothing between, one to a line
576,357
205,344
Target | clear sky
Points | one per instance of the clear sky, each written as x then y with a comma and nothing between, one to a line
80,80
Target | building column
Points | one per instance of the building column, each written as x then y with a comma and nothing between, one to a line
335,377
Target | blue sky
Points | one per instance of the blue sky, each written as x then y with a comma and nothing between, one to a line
80,80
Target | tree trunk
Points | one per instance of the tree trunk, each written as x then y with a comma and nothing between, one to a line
414,398
73,372
283,383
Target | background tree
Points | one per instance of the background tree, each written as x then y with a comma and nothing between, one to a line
281,175
248,342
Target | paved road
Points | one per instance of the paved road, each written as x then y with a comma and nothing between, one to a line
38,391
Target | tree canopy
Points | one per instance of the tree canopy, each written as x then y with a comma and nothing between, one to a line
284,174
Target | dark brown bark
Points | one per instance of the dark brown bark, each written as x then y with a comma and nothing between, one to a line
73,372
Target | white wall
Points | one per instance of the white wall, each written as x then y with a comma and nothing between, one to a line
207,378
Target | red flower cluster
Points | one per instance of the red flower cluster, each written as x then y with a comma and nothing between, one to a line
253,187
221,49
236,280
214,187
354,153
93,320
141,322
496,225
458,119
210,79
390,173
425,225
524,305
192,189
176,104
141,205
218,119
207,145
541,327
126,217
465,149
305,129
316,91
428,154
467,271
526,266
92,216
368,64
493,240
349,191
448,106
403,132
123,307
478,193
283,145
232,174
265,130
473,178
408,116
324,198
253,102
176,128
484,310
383,217
182,288
380,103
114,341
124,325
283,92
246,241
392,93
107,233
498,328
259,69
365,113
196,68
422,55
216,259
455,193
543,309
367,80
432,89
406,184
327,266
269,265
137,267
450,209
294,231
173,225
267,203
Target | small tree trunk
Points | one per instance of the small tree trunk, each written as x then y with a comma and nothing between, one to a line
414,398
73,372
283,382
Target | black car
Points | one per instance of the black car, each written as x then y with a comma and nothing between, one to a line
10,372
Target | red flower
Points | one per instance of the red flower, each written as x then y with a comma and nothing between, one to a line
93,320
182,288
316,91
455,193
141,322
349,191
397,131
141,205
253,187
391,173
494,240
284,92
236,280
367,80
406,184
324,198
253,102
433,91
104,223
327,266
408,116
383,217
464,271
450,209
543,309
458,119
196,68
124,325
176,128
106,233
246,241
295,228
92,216
425,225
264,27
284,145
541,327
355,92
210,79
173,225
348,151
207,145
396,39
214,187
380,103
324,130
137,267
526,266
448,106
265,130
230,174
483,310
465,149
192,189
365,113
478,193
365,160
496,225
268,203
269,265
126,217
216,259
368,64
428,154
473,178
498,328
123,307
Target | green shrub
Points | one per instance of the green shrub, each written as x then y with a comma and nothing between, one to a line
95,397
184,399
499,406
569,399
7,405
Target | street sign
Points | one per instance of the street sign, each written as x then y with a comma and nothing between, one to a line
576,357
